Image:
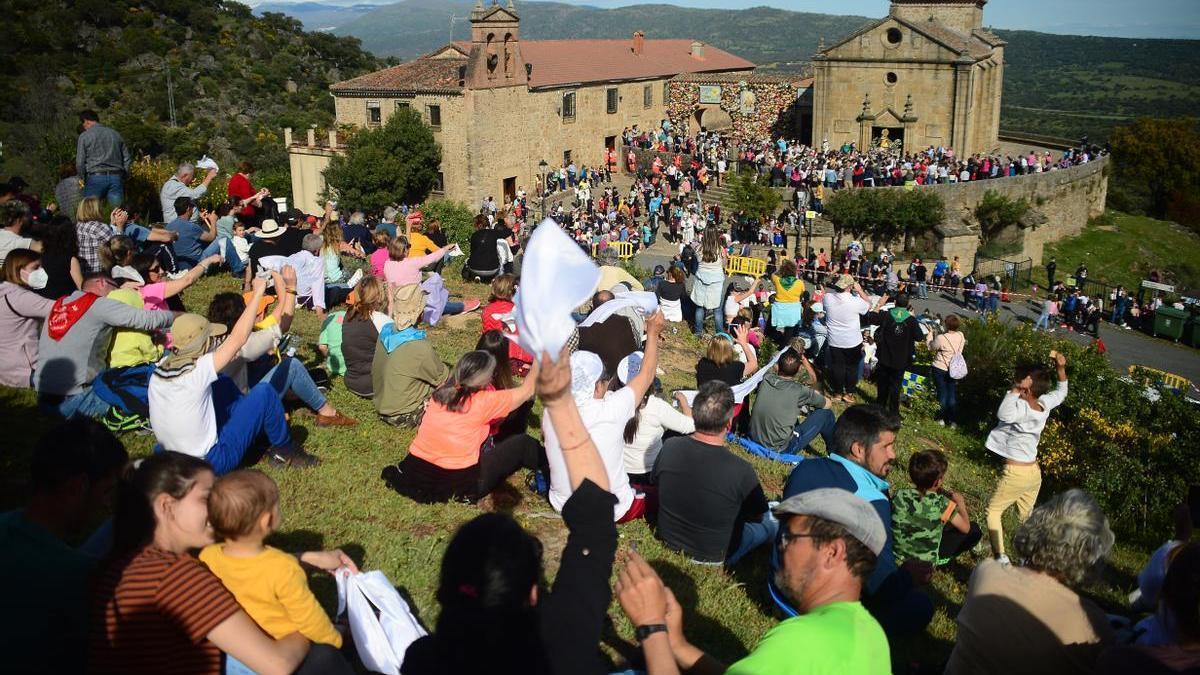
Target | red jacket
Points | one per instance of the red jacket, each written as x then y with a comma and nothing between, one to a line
240,187
490,322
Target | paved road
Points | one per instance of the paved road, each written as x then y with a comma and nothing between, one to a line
1125,347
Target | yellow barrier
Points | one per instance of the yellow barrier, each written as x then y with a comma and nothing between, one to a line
752,267
1170,380
624,249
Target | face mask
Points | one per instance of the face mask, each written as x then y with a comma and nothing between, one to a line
37,279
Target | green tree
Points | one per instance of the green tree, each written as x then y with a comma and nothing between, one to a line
397,162
457,220
883,215
996,212
753,198
1158,162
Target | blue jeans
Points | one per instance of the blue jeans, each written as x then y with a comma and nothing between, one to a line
85,404
110,187
1043,322
947,393
753,536
231,257
242,419
922,289
818,423
718,319
291,375
453,307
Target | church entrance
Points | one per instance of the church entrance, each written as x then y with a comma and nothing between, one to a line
712,118
886,137
510,190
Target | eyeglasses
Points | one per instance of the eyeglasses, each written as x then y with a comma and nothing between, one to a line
786,537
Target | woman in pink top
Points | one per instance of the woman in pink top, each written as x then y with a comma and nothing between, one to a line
154,286
401,270
379,256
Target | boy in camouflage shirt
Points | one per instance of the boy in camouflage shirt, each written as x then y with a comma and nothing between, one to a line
929,522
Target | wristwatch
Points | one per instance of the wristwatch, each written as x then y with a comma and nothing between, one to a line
643,632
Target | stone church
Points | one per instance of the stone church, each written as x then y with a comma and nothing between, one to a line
926,74
500,106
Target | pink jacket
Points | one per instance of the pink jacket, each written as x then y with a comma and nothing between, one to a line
21,314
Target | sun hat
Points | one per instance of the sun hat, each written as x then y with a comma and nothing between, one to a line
190,334
854,513
408,302
128,273
269,229
844,282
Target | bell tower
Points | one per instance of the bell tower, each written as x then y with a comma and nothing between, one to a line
963,16
495,58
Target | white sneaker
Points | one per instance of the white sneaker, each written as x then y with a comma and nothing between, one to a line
941,423
355,278
1003,559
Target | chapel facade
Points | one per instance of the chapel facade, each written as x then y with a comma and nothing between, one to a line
928,74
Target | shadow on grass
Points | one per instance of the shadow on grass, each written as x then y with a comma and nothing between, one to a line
708,633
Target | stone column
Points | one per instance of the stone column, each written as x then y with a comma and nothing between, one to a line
287,137
960,132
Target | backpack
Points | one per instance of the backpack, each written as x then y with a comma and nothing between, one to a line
958,365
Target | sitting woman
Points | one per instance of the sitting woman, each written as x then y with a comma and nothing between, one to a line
405,368
671,293
500,305
401,269
644,431
156,609
490,590
720,362
1029,617
494,343
360,332
452,456
258,359
60,258
22,312
158,291
379,257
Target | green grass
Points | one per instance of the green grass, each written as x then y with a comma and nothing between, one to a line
343,503
1122,249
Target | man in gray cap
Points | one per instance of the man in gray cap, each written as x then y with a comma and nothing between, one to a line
828,542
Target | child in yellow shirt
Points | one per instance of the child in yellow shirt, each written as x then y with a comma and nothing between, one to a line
269,584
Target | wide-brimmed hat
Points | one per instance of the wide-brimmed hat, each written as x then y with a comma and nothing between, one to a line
128,273
190,334
269,229
408,302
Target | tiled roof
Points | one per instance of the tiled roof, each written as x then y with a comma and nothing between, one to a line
559,62
421,75
555,63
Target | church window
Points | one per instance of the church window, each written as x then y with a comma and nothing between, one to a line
894,36
647,96
890,78
666,92
611,99
568,105
435,115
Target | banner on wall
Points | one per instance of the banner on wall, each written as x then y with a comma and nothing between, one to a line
710,93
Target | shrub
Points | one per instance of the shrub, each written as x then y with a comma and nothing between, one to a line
146,178
754,198
997,213
1137,456
458,221
396,162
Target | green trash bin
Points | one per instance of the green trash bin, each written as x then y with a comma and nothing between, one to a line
1168,322
1191,331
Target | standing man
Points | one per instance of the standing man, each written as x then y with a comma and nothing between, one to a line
828,543
178,186
102,160
1051,267
895,339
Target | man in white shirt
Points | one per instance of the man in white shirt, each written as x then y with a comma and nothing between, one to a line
310,274
842,311
185,394
15,214
604,414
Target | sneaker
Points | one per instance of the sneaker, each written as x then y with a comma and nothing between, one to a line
470,305
1003,559
355,278
335,420
293,458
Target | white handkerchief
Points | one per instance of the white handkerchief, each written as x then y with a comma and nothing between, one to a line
206,163
641,301
556,277
744,388
454,252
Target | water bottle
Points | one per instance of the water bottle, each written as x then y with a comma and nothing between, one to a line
762,323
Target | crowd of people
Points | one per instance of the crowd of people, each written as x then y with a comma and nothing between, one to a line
848,556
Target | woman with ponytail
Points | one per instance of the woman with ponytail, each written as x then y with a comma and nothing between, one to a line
644,431
156,609
453,455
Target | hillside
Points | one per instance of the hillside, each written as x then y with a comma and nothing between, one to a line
237,80
318,15
1061,85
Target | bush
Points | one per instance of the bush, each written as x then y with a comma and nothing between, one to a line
458,221
1137,456
997,213
884,215
145,181
755,199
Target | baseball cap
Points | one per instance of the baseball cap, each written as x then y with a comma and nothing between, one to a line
843,282
842,507
128,273
659,270
817,308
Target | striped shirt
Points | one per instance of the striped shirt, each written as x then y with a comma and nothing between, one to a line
151,613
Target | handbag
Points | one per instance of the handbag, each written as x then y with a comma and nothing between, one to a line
382,624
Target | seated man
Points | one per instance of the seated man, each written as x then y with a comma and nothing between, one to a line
73,346
711,505
605,415
405,369
781,396
828,543
74,468
862,454
195,412
195,241
311,290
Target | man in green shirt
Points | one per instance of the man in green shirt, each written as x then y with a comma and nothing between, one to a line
781,396
74,471
828,542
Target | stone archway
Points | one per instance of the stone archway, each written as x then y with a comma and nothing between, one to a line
748,105
712,118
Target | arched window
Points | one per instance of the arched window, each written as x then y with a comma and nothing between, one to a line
509,61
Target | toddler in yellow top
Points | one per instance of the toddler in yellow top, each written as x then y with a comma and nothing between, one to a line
269,584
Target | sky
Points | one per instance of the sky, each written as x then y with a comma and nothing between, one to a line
1117,18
